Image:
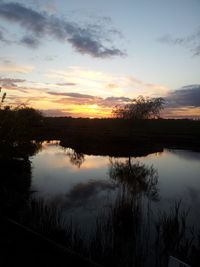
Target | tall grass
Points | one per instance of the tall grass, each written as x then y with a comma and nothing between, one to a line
122,236
48,220
119,234
174,236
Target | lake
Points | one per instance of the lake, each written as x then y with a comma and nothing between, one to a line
82,186
118,211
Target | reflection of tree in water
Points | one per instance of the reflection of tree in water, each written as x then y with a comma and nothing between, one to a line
15,179
124,236
137,178
76,158
124,232
19,149
127,232
14,185
118,239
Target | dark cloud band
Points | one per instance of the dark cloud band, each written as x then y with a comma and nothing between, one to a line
66,84
187,96
76,95
83,99
89,39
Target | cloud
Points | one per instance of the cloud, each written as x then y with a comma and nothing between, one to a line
90,39
191,42
114,101
50,58
28,18
86,45
66,84
84,99
183,103
82,193
56,113
7,82
2,39
81,75
187,96
49,6
105,83
30,41
76,95
111,85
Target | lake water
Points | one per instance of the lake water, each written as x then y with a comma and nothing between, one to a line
85,185
118,211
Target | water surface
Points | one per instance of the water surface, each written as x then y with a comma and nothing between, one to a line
82,184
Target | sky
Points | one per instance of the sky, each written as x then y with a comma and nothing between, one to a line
81,58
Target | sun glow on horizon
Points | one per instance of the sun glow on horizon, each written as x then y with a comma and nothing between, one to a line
82,64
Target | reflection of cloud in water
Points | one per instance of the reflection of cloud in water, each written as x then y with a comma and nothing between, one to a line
83,193
187,155
60,160
59,157
96,162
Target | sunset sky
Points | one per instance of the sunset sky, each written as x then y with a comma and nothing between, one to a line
80,58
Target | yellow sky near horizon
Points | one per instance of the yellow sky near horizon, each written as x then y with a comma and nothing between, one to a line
82,92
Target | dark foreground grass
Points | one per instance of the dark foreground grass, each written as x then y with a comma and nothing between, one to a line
128,235
21,246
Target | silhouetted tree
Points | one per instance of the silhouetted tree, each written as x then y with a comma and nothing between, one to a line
2,98
140,108
19,122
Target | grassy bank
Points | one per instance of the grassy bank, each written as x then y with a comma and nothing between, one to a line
119,127
90,134
117,137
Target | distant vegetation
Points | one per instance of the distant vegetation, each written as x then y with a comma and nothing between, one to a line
113,136
17,123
